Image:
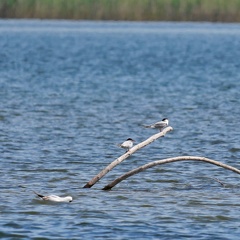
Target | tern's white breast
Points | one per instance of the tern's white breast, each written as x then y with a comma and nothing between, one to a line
55,198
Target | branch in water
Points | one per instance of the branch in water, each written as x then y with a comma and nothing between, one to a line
126,155
168,160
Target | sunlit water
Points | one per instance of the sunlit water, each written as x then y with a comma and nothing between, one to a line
70,91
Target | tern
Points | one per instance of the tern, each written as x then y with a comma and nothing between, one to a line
127,144
159,125
54,198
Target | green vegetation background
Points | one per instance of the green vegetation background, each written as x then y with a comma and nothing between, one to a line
131,10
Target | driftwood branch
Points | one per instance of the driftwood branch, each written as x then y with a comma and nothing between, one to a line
126,155
168,160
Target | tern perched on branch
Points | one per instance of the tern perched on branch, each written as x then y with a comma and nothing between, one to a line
54,198
127,144
159,125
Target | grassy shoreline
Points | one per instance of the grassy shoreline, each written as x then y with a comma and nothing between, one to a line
130,10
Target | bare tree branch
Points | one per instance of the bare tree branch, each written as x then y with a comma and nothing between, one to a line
126,155
168,160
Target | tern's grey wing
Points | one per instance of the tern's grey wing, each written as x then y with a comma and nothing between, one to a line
160,125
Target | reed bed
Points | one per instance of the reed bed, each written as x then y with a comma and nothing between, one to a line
129,10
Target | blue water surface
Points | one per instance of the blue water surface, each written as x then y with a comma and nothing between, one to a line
71,90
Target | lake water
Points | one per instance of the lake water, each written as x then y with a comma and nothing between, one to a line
71,90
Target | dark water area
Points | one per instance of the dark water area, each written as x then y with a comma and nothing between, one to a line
71,90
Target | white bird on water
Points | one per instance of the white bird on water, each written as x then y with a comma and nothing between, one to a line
127,144
54,198
159,125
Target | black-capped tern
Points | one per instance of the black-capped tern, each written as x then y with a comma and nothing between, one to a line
159,125
54,198
127,144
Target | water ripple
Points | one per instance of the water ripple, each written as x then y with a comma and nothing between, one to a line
67,98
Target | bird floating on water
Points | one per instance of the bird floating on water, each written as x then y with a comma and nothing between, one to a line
54,198
127,144
159,125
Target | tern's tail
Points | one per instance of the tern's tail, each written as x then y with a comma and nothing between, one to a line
147,126
41,196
